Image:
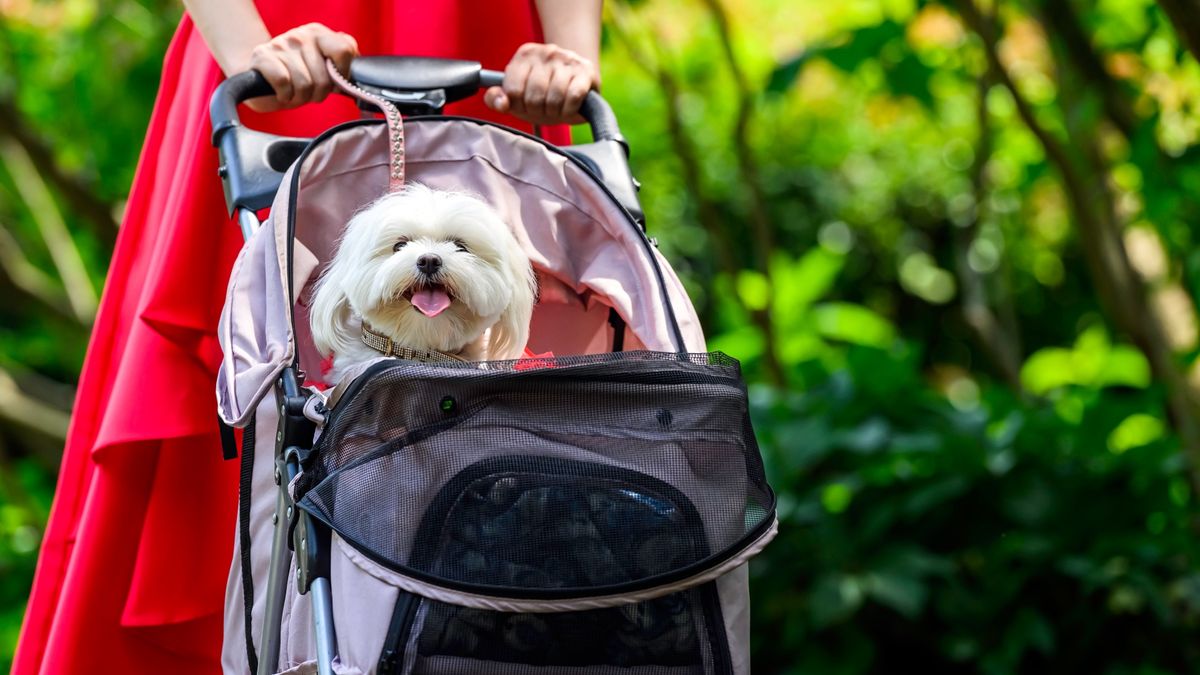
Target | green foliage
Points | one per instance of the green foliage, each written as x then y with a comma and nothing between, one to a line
25,494
932,519
81,78
1092,363
996,538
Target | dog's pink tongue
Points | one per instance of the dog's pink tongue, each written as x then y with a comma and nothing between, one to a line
431,301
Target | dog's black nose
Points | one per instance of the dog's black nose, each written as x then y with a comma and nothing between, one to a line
429,263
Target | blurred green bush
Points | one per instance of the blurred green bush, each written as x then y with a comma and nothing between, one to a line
976,471
975,532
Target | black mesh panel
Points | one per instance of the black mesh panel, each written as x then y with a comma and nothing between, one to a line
567,477
663,633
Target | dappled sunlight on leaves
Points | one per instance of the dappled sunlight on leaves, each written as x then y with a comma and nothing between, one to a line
1093,362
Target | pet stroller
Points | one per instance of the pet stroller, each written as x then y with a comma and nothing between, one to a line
584,513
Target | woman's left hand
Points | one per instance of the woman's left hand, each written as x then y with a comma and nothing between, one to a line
544,84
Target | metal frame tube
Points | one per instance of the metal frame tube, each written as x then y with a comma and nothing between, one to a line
248,222
281,562
322,606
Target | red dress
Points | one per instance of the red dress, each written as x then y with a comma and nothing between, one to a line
132,571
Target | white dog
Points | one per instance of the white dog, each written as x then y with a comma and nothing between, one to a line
431,271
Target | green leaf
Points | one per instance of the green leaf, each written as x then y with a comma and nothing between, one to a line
836,497
745,343
785,73
835,597
883,43
910,77
852,323
1124,366
929,497
804,442
904,593
1093,362
864,45
1135,431
800,346
868,437
754,289
800,283
1048,369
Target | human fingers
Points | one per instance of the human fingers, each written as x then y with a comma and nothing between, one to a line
496,99
577,91
556,94
302,79
513,87
271,66
284,64
556,83
341,48
314,61
537,89
293,63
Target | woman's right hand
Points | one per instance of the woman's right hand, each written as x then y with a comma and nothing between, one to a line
294,64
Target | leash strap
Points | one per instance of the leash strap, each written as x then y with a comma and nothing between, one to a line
247,477
395,125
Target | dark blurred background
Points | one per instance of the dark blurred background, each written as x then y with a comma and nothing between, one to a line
951,242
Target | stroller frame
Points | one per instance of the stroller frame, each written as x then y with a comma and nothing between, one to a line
252,164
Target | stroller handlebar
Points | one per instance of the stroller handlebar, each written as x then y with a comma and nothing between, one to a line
403,76
222,110
253,162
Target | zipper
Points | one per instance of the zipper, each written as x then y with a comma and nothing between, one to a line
714,623
396,641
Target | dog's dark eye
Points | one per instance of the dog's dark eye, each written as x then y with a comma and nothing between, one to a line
400,244
461,246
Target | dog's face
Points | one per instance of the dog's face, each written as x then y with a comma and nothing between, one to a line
431,270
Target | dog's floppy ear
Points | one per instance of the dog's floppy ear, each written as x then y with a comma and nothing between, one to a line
330,313
511,332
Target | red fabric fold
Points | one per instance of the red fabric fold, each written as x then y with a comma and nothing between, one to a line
133,565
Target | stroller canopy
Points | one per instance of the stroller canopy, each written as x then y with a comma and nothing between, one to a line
591,258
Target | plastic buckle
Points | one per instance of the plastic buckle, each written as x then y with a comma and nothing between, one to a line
429,102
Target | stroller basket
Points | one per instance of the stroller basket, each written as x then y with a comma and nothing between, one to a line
599,478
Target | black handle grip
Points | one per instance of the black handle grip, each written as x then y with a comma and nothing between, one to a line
601,119
223,108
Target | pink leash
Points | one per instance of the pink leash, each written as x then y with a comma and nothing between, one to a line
395,124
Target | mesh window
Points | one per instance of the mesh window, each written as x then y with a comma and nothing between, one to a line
663,635
561,478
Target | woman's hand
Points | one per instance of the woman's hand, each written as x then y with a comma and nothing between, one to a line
294,64
544,84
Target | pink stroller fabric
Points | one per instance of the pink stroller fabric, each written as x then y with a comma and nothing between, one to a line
590,259
588,256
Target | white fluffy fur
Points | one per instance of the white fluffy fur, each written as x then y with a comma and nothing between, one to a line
491,283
